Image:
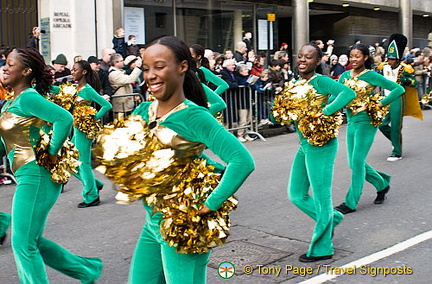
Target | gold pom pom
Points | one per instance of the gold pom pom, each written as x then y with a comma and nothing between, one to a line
376,111
426,98
300,102
66,96
364,101
85,122
132,156
67,159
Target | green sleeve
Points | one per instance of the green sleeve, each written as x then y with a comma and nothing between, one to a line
197,124
339,94
221,84
88,93
376,79
32,103
216,102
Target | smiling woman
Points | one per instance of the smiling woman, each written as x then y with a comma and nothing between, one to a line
21,121
180,122
318,97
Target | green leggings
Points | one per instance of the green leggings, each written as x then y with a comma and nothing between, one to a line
391,126
85,172
155,262
360,136
313,167
34,197
4,223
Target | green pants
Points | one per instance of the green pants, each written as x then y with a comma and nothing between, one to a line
313,167
85,172
391,126
155,262
4,223
34,197
360,136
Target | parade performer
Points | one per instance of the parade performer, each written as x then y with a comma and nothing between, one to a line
86,128
407,105
181,124
364,114
36,193
214,98
311,101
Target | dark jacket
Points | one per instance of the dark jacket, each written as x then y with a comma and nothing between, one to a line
230,78
119,45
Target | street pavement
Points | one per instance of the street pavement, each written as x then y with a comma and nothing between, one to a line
269,233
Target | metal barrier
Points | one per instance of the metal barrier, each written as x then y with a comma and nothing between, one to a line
240,115
245,108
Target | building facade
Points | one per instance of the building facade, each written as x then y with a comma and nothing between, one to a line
84,27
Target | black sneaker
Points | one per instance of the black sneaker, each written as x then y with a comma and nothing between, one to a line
96,202
304,258
344,209
381,195
2,239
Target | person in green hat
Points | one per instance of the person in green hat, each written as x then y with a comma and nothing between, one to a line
397,71
61,71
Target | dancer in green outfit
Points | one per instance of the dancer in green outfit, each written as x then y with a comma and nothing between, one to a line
36,193
180,112
88,88
313,165
361,132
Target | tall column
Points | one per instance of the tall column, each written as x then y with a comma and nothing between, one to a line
406,21
238,26
117,14
300,25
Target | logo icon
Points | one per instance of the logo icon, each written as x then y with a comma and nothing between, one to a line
226,270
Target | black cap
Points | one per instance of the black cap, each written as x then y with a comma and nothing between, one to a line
92,59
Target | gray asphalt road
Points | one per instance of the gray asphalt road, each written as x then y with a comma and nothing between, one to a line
269,232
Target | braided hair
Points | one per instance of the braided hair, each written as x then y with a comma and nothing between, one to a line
41,75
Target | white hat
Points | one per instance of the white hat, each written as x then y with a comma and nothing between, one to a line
129,59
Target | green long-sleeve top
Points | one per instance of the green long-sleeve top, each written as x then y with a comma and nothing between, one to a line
20,123
375,79
222,86
216,103
89,94
196,124
338,94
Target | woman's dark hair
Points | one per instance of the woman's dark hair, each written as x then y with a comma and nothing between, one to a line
192,86
41,74
364,49
199,51
91,76
319,54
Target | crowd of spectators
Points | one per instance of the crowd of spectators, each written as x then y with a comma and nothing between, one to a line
242,68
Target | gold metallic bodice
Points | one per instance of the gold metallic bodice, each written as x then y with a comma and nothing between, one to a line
182,147
15,131
79,102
